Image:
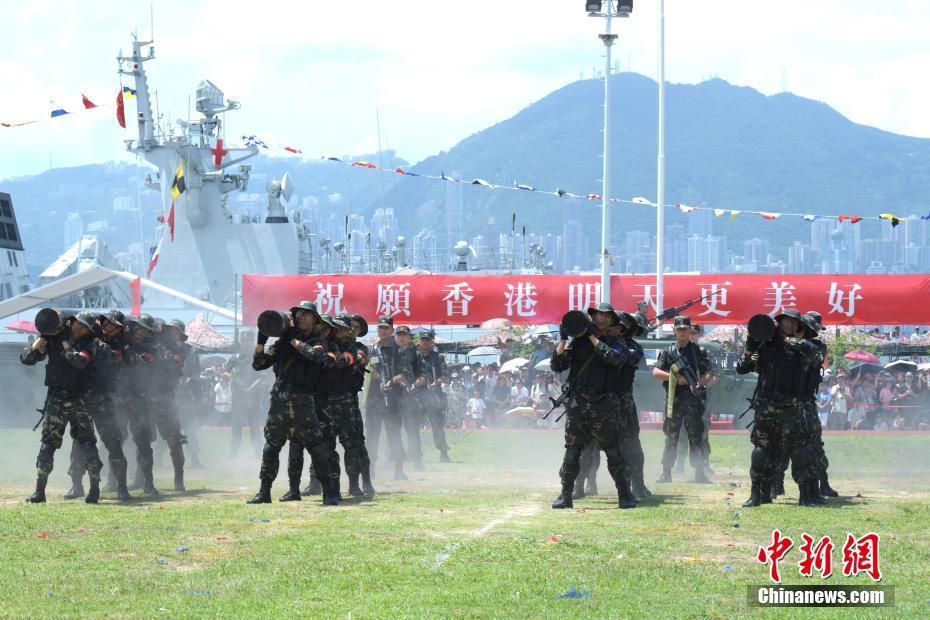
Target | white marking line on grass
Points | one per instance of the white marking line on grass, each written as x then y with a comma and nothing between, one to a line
519,511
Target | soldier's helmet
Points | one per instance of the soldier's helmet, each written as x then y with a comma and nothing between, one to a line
146,322
178,325
309,306
114,316
604,307
363,324
86,319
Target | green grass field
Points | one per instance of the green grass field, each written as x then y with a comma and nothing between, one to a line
471,539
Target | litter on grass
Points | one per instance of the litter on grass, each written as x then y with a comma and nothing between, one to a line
182,549
573,593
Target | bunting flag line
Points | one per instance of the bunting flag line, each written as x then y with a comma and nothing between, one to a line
128,93
57,111
267,144
154,260
120,110
171,220
88,104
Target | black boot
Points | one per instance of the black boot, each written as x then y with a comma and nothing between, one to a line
755,498
666,475
313,487
804,497
77,488
93,493
39,496
366,484
138,482
354,489
399,471
148,486
293,495
263,496
778,487
444,457
813,492
578,489
639,488
179,480
565,499
765,493
627,499
700,477
331,496
590,489
119,478
110,486
825,489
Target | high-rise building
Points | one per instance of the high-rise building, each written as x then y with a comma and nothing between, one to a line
455,213
701,223
756,251
575,247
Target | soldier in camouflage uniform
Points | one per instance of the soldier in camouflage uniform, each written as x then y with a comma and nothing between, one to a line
591,412
692,366
246,409
779,428
297,358
410,411
389,373
815,321
169,371
101,407
427,394
70,350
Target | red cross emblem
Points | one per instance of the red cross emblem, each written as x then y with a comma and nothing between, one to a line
218,153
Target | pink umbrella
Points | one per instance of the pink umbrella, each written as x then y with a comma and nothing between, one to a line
497,324
24,327
861,356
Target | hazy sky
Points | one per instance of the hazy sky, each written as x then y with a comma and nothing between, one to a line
314,72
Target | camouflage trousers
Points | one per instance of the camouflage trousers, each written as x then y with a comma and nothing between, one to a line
630,446
432,405
100,407
346,417
411,421
379,415
138,414
62,409
818,462
779,432
688,413
296,417
164,418
592,420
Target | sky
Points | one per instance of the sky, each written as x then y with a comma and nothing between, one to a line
319,73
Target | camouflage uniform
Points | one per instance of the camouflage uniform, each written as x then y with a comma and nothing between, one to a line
430,399
687,409
410,411
591,415
67,380
140,359
383,402
246,408
780,421
168,371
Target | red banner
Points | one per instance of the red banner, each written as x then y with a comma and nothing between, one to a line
468,299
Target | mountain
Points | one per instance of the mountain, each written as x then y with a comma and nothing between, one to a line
727,147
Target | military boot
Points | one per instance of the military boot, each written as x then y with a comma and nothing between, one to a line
399,471
639,488
825,489
666,475
148,486
179,480
39,496
565,499
366,484
138,481
110,486
765,493
77,488
293,495
444,457
313,487
755,496
700,477
814,492
93,493
804,498
627,499
263,496
354,489
590,489
578,489
778,486
331,495
122,492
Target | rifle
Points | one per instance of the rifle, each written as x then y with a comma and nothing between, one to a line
567,389
671,313
41,414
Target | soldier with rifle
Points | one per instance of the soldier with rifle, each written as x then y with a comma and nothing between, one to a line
592,405
70,347
389,373
427,392
684,370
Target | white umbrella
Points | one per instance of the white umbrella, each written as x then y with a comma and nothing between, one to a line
482,351
544,366
513,365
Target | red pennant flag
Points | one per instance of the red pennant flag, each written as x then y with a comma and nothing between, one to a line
135,287
154,261
120,111
853,219
171,220
88,104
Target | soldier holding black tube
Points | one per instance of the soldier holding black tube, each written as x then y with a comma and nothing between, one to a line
684,370
592,406
389,372
429,369
69,346
783,362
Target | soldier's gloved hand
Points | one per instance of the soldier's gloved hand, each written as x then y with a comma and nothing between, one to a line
752,345
262,338
562,334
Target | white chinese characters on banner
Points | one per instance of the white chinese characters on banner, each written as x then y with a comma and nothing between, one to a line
583,295
843,302
393,300
648,296
328,298
457,298
521,299
713,298
780,297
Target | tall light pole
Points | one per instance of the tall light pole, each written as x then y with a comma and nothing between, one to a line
624,8
660,197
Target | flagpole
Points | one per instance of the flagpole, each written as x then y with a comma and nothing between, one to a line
608,39
660,190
